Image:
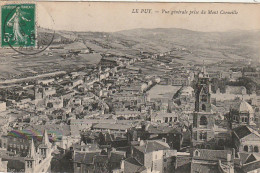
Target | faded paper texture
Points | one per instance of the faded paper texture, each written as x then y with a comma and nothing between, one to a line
129,87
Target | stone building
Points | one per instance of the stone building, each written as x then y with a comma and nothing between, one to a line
203,116
39,160
246,139
242,113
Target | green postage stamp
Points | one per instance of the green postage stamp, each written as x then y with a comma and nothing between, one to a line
18,25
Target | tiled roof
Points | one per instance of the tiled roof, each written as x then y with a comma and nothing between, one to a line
85,157
112,126
150,146
116,157
78,157
242,106
243,157
100,159
251,166
131,165
212,155
63,130
89,157
242,131
204,168
163,129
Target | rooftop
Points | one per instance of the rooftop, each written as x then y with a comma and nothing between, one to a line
111,126
150,146
212,155
132,165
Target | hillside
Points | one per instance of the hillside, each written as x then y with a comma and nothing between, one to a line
186,47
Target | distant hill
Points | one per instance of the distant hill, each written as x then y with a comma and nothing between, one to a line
197,45
186,47
225,45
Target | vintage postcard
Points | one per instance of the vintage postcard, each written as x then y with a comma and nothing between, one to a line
125,87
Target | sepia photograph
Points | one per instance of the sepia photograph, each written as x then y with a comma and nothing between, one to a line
127,87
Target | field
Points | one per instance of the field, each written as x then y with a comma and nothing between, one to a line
186,47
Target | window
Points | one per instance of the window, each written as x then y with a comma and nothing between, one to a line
203,135
203,121
203,107
195,136
197,153
250,149
256,149
166,119
246,148
155,166
78,165
204,98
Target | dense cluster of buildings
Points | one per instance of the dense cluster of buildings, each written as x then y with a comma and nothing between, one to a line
117,117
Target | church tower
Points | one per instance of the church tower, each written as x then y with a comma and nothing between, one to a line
203,117
30,160
45,146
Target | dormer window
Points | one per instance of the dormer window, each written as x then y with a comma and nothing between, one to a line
196,153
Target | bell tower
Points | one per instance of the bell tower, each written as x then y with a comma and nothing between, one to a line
203,116
30,160
202,94
45,146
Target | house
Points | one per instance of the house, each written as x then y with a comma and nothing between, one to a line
3,165
215,161
127,114
242,113
238,90
246,139
108,62
154,155
92,159
83,161
54,102
45,81
173,136
87,123
2,106
162,117
131,165
116,129
115,158
248,163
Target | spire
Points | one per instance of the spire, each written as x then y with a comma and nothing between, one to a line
203,68
32,150
45,138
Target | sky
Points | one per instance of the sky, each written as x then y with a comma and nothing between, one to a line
117,16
